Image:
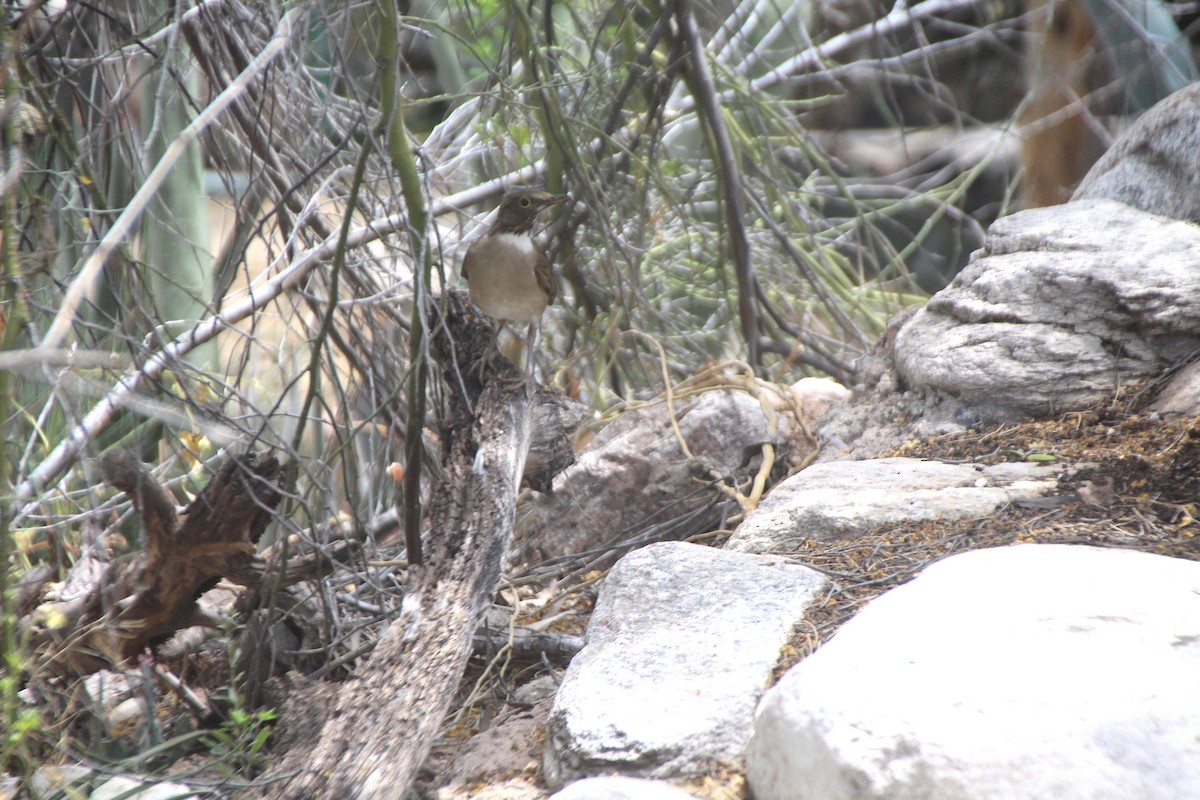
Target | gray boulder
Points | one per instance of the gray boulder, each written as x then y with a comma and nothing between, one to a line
1155,165
1062,306
680,647
634,476
1032,671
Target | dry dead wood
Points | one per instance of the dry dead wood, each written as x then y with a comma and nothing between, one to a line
104,614
388,715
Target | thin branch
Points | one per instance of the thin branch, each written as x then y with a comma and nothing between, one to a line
257,297
814,58
400,155
705,93
39,358
819,288
84,284
142,46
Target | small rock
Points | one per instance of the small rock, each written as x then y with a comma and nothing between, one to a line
540,688
680,645
126,715
510,746
62,781
615,787
519,788
71,781
632,470
1181,397
121,787
634,473
109,688
837,499
1032,671
818,395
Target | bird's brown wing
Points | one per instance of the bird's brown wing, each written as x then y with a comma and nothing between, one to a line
545,276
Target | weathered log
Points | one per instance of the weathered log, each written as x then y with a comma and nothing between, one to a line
388,715
111,614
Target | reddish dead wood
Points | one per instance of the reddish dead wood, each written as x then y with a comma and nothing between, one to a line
142,599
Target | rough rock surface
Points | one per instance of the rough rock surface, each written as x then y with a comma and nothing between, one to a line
615,787
879,417
1031,671
1062,306
1155,165
1181,396
510,745
842,498
634,474
680,646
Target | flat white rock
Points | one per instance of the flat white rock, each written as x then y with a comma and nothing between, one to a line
837,499
680,647
615,787
1033,671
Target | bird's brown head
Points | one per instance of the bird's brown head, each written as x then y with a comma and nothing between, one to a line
521,207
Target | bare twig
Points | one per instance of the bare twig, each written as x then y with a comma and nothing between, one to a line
84,284
705,93
901,17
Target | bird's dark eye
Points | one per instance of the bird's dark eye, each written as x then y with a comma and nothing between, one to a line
524,201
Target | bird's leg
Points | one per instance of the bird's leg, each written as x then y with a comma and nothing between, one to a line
535,333
491,350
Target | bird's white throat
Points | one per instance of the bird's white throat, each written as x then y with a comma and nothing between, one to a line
520,242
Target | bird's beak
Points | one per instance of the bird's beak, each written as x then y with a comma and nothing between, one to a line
558,199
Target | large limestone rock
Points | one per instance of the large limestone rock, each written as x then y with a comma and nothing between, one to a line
680,646
1034,671
1062,306
837,499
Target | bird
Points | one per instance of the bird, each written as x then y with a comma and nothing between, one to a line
508,274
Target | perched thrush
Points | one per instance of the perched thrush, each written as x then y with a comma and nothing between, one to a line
507,272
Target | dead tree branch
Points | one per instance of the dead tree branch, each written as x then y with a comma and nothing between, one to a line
386,719
140,600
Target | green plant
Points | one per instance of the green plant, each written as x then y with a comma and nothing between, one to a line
238,742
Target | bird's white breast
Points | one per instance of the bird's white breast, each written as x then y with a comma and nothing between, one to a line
501,277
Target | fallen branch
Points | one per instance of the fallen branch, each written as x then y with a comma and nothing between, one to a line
386,719
105,615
